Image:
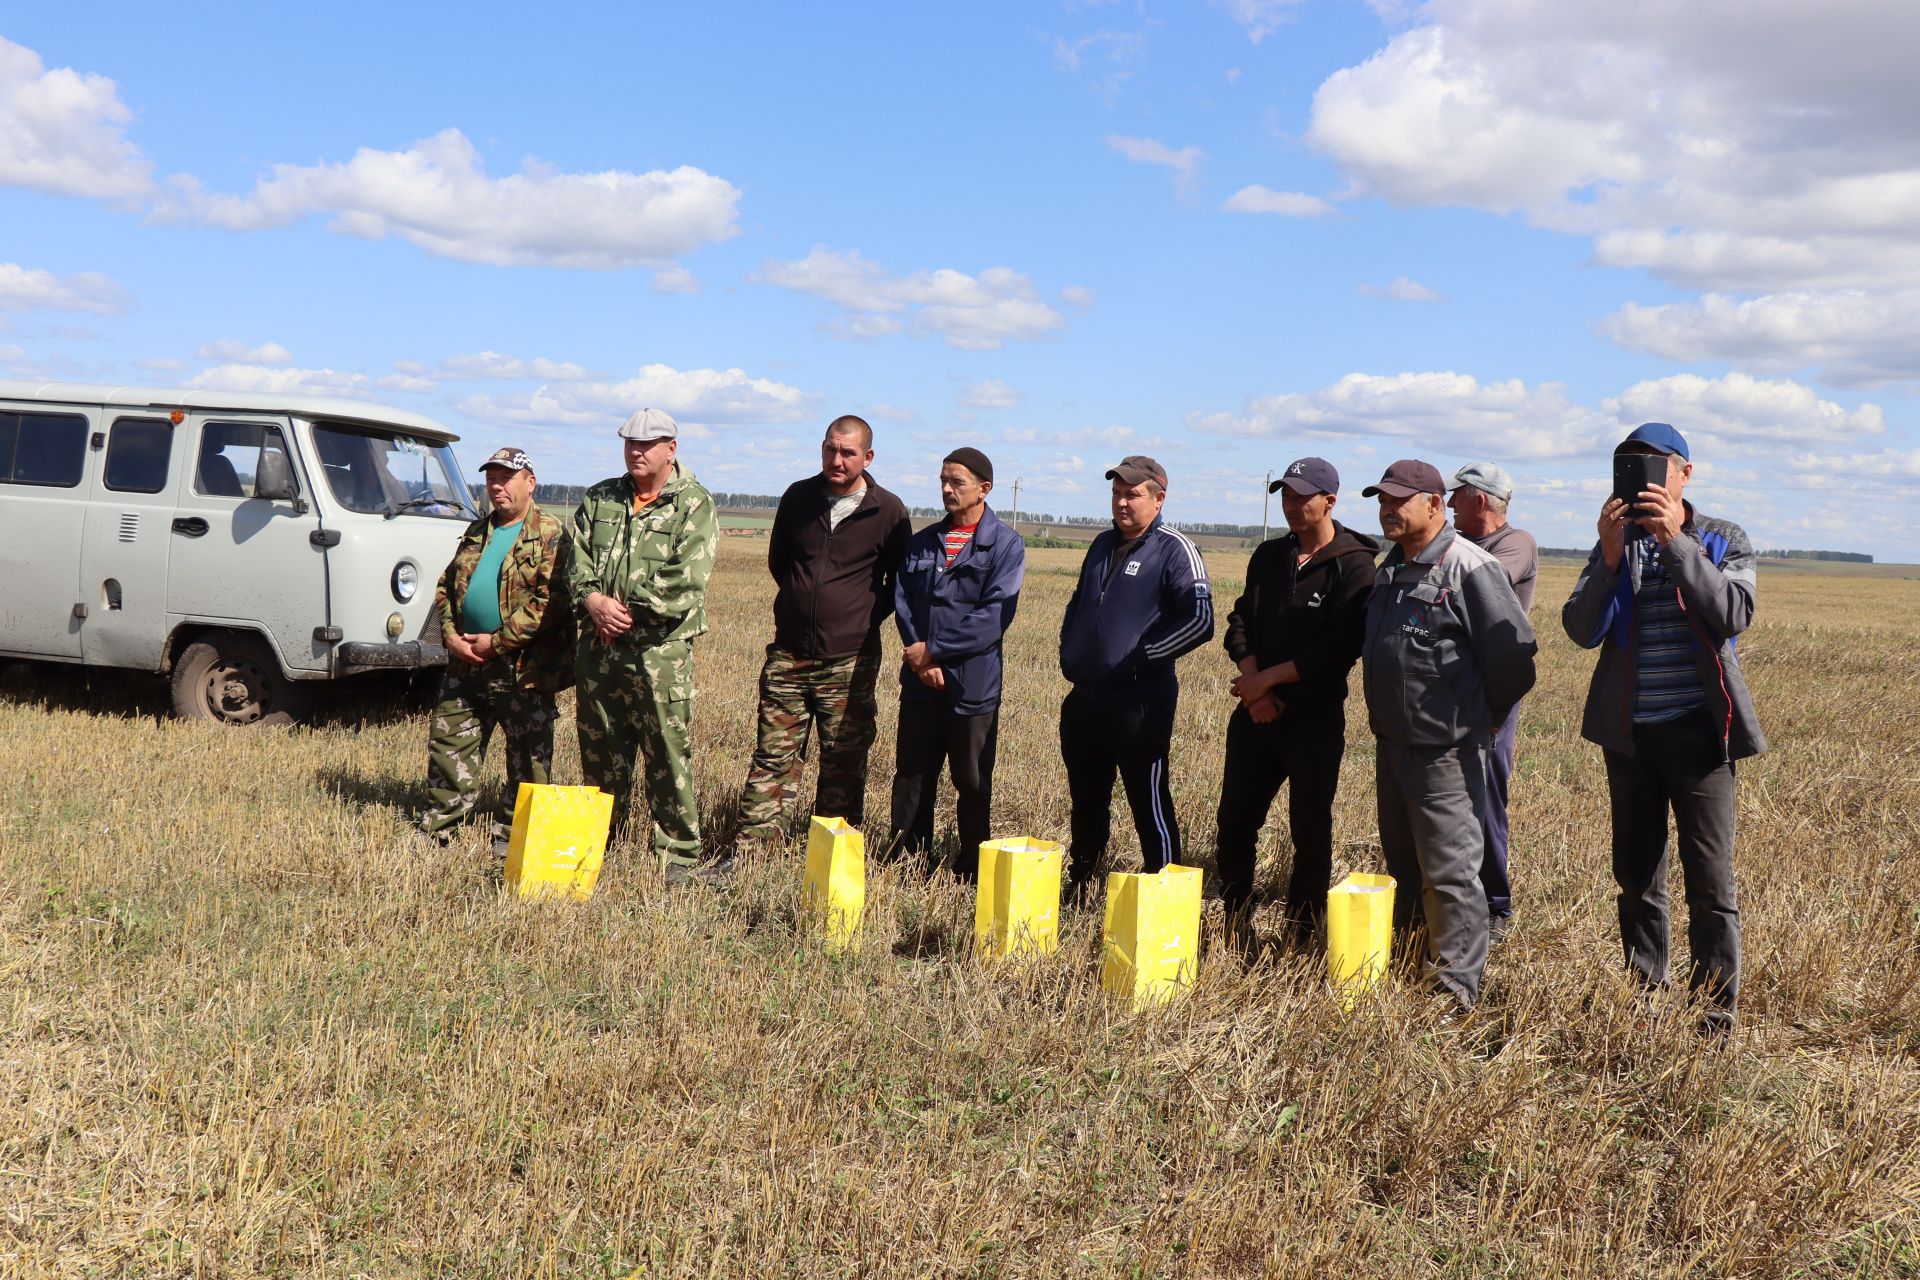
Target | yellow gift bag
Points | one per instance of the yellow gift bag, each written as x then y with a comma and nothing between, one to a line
1018,904
1359,933
559,837
1152,946
836,885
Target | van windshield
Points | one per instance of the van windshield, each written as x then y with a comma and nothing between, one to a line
390,475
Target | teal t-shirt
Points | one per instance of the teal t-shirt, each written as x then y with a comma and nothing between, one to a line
480,607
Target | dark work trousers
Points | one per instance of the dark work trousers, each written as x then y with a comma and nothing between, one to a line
932,736
1679,766
1429,806
1302,749
1102,735
1493,816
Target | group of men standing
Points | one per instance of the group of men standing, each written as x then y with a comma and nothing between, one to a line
1440,625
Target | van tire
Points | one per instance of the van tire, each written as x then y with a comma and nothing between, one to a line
234,680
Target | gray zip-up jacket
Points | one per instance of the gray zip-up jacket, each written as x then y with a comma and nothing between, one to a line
1712,568
1449,651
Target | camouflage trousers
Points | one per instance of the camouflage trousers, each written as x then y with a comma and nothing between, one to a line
637,700
796,695
473,700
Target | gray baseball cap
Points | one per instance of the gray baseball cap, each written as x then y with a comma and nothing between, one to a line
1487,477
650,424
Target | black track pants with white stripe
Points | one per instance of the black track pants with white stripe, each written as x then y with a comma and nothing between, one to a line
1100,736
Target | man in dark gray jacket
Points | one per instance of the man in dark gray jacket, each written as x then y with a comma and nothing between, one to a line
1665,592
1448,654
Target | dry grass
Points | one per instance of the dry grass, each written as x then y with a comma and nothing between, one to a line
248,1030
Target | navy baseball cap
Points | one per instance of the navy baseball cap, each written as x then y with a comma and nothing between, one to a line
1307,477
1657,435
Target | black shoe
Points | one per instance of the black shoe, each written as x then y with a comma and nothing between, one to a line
1081,894
678,874
1499,928
1239,935
719,872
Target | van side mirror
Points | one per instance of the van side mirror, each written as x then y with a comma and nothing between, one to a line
273,477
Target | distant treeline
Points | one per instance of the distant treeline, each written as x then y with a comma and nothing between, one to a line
1845,557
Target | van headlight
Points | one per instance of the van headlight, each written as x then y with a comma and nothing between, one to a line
406,580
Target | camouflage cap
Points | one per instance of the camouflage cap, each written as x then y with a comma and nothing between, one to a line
650,424
512,457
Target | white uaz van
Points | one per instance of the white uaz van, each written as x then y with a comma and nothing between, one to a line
247,545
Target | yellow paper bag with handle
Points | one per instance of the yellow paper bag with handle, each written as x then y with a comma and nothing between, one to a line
1017,906
1359,933
836,883
1152,946
559,839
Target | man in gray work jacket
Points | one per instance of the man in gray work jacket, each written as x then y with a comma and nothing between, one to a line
1665,592
1448,654
1481,492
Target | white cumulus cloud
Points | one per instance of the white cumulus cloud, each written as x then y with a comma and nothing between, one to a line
1185,162
1446,413
978,313
232,351
27,289
279,380
991,393
1741,411
704,396
1288,204
1403,289
1259,18
1433,410
436,195
1783,159
1857,337
64,131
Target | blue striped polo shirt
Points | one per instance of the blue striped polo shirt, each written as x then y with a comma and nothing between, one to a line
1666,683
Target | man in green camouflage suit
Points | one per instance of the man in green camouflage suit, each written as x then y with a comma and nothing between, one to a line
642,548
505,621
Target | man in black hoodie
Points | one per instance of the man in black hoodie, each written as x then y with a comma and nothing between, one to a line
1295,632
836,544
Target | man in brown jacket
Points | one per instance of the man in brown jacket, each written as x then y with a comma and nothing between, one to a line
836,544
509,637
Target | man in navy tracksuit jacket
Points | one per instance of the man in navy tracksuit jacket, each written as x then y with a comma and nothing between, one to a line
954,597
1142,601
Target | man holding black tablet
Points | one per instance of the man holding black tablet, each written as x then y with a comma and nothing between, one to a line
1664,594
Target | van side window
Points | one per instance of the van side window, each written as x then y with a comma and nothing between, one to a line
137,455
229,457
42,448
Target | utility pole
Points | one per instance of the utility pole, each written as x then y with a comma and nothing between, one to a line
1266,496
1016,504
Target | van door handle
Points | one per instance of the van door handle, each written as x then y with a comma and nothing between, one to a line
192,526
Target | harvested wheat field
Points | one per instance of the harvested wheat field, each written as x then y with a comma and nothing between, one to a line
250,1029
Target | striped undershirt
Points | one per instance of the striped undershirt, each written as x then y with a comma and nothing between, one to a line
1666,684
958,536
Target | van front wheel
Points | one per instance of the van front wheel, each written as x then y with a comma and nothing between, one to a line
234,680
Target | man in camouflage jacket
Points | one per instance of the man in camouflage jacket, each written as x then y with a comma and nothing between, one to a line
509,643
642,548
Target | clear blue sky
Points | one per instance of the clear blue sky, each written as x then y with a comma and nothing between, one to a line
1226,234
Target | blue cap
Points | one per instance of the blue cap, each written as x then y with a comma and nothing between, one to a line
1308,476
1657,435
